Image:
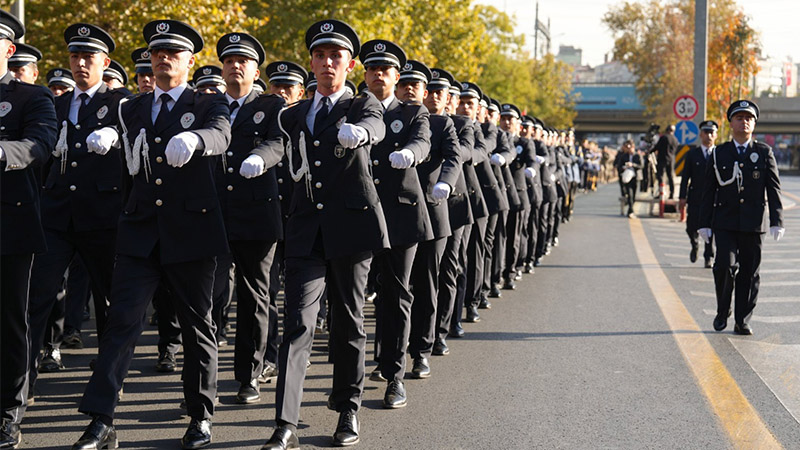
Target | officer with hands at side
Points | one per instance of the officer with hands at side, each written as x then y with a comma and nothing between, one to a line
692,178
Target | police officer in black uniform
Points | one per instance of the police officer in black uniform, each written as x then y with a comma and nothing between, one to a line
249,199
549,195
534,191
60,81
171,228
24,63
335,224
209,79
740,175
692,178
665,149
115,76
143,77
27,135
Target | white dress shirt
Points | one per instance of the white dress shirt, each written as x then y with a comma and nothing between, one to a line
174,93
76,101
317,104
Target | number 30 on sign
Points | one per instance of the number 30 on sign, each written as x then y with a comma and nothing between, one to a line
685,107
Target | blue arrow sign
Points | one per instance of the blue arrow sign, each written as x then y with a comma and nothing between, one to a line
686,132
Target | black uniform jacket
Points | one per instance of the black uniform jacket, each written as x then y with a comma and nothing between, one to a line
27,135
401,194
443,164
505,147
466,141
342,202
548,169
89,192
493,190
725,208
251,207
534,184
692,183
175,208
524,153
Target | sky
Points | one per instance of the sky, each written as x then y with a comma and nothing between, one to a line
578,23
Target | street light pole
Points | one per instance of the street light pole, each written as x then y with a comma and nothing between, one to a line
18,10
700,56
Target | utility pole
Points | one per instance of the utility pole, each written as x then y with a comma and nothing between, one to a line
536,34
700,56
18,11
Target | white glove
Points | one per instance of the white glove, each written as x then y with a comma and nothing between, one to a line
441,191
539,159
498,159
402,159
530,172
705,234
181,148
2,154
777,232
252,166
101,141
350,136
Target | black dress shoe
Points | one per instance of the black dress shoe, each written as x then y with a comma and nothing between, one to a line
509,285
269,374
166,362
376,375
484,303
346,433
198,435
421,368
331,404
72,339
320,327
51,361
282,439
720,323
395,396
10,436
97,435
518,275
494,292
693,254
528,268
248,393
743,329
456,331
537,262
708,263
440,347
472,314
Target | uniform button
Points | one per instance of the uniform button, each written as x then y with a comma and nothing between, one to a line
256,133
19,203
741,164
230,188
280,163
741,200
377,181
318,185
230,169
375,162
229,153
317,163
159,159
366,208
74,164
280,180
158,181
73,187
157,139
316,143
2,127
320,205
78,126
280,197
397,144
77,145
203,210
159,202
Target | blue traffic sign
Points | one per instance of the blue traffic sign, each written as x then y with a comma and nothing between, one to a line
686,132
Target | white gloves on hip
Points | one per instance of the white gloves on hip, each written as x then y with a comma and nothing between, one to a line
351,136
777,232
498,159
101,141
181,148
705,234
441,191
401,159
539,159
252,166
530,172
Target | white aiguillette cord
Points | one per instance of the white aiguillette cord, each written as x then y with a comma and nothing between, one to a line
737,174
303,169
139,146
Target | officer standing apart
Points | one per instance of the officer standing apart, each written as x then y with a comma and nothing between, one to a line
27,134
171,228
741,173
692,178
335,223
249,199
628,165
665,150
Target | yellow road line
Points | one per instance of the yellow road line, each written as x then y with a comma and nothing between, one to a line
741,421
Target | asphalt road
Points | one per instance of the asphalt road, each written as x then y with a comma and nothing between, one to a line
579,356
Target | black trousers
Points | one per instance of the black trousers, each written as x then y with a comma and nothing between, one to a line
514,238
629,192
449,271
666,166
273,338
495,251
555,222
393,312
15,271
475,260
169,329
96,249
736,272
708,250
305,282
425,282
135,281
545,224
253,265
223,292
461,279
78,294
533,232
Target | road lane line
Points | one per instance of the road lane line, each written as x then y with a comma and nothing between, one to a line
738,418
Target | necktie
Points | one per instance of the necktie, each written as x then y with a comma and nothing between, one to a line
163,113
321,114
232,107
84,100
741,150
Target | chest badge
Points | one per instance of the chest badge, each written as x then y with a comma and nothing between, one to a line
101,113
756,174
754,156
258,117
519,149
5,108
187,120
396,126
338,151
340,122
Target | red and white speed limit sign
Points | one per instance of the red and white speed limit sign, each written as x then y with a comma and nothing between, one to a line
685,107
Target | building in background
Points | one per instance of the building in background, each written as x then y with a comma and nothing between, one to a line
570,55
776,77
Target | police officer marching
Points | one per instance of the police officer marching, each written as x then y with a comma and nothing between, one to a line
692,180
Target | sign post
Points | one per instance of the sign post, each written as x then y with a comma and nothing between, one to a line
685,107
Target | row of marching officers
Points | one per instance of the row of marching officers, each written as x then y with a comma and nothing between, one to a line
424,185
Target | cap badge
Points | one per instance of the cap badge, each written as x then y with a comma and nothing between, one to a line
5,107
187,120
464,85
744,104
101,113
396,126
258,117
83,31
754,156
434,74
282,68
57,73
407,67
207,71
326,27
145,55
506,107
163,27
234,38
380,47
